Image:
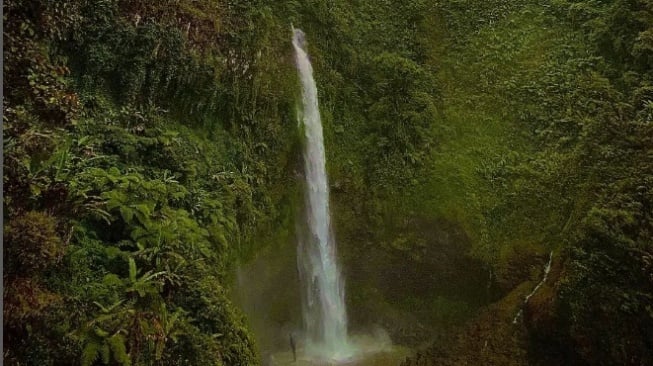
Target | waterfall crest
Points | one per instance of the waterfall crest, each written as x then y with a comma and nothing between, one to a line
323,295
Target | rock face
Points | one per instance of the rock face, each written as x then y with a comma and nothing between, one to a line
540,312
518,266
416,283
436,259
492,338
489,339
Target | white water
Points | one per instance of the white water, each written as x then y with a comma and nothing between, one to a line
547,269
323,295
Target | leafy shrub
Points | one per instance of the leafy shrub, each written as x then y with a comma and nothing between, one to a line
32,243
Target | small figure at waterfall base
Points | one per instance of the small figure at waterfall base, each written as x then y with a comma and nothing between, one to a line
293,348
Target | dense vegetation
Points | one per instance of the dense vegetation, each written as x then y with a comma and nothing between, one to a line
137,163
151,146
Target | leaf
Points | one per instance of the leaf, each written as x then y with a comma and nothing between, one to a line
114,171
144,209
105,352
83,140
132,270
138,233
110,308
112,252
148,277
159,350
90,353
102,214
101,332
127,214
117,343
112,280
35,189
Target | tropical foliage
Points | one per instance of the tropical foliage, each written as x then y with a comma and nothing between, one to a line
151,146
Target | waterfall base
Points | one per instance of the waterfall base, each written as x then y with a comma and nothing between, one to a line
367,351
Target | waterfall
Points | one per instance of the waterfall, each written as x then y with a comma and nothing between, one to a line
323,295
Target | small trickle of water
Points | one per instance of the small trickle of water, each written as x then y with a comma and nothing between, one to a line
323,300
547,269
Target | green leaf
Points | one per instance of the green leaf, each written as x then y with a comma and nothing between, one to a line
112,252
35,189
114,171
159,350
144,209
109,309
90,353
117,343
105,352
101,332
132,270
112,280
127,214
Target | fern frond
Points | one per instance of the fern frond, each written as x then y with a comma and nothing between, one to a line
90,353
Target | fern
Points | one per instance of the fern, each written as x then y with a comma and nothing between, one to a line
90,353
117,344
105,352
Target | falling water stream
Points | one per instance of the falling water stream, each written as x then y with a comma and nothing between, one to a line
324,338
323,295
